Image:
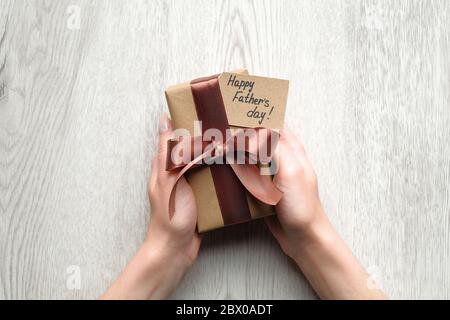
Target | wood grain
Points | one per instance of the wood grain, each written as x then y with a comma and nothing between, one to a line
369,92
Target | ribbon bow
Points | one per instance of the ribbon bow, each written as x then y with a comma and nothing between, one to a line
247,145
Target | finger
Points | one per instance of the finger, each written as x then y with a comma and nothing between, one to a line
182,194
183,213
164,178
292,139
296,146
291,166
284,153
165,133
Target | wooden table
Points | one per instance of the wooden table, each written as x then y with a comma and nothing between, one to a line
83,88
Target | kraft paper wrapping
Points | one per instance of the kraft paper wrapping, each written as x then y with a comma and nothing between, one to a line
183,113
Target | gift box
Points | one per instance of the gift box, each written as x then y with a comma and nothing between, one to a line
229,100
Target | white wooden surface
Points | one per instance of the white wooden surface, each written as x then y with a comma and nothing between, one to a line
369,96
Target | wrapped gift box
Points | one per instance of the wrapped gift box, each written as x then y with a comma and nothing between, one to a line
220,197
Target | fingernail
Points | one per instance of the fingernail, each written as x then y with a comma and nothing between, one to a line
164,123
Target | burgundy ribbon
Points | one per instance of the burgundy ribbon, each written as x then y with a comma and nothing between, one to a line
231,181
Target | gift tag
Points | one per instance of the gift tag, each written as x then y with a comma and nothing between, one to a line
252,101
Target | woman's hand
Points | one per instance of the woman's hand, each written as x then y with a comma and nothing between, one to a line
178,235
307,236
171,245
300,207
